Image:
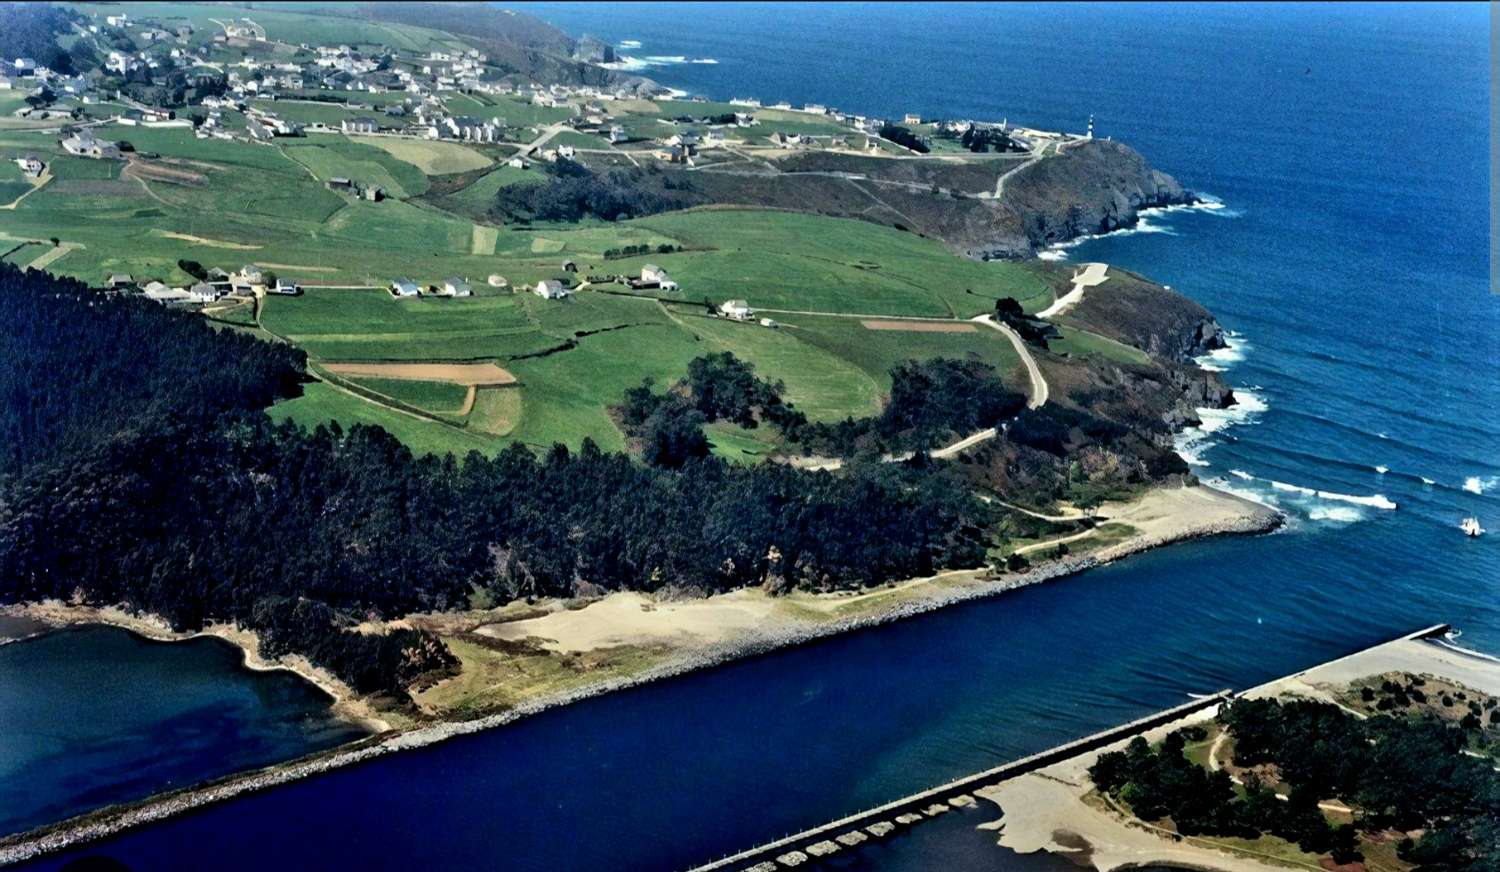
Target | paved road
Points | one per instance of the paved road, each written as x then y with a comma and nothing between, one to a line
1039,392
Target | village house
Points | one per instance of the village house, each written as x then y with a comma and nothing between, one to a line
202,292
911,118
119,281
250,277
83,144
286,286
739,310
160,293
31,165
517,163
551,289
456,287
404,287
616,134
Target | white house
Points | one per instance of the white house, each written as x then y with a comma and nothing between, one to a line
456,287
404,287
251,276
359,125
285,286
551,289
739,310
83,144
518,163
202,292
31,165
654,276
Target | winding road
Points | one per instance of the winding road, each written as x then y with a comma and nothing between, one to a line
1039,391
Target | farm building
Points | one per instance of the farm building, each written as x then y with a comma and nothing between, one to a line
456,287
403,287
31,165
289,287
362,124
551,289
160,293
117,281
653,276
517,163
83,144
739,310
251,275
203,292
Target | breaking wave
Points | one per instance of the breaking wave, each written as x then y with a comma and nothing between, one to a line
1475,484
1374,501
631,63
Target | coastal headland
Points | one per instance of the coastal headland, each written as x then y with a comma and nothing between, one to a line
622,640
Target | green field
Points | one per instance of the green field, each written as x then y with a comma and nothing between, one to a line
286,26
322,403
329,157
480,194
1082,343
432,158
430,396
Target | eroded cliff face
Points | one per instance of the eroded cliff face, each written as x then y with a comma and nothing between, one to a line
1094,186
1138,312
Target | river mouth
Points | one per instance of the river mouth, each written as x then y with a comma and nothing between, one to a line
96,715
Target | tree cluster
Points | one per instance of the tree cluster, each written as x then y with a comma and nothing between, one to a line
573,192
903,136
982,139
1404,774
30,30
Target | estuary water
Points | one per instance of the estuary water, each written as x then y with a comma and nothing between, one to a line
1347,151
95,715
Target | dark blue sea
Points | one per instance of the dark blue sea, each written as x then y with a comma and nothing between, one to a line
1347,147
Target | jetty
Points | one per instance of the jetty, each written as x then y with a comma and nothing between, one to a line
886,820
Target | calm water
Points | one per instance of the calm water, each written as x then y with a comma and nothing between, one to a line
97,715
1350,260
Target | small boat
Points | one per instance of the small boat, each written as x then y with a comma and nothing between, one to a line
1471,527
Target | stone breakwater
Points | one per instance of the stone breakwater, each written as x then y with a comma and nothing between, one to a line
106,822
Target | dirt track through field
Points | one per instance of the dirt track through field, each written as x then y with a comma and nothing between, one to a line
471,374
212,243
920,326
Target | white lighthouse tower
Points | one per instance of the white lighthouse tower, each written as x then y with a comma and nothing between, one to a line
1091,127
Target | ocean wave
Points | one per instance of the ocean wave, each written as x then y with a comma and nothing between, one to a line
1375,501
1338,514
1475,484
1241,474
1427,481
1221,359
1248,405
1052,254
631,63
630,43
1382,469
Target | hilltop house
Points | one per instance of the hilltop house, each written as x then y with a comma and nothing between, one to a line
404,287
551,289
739,310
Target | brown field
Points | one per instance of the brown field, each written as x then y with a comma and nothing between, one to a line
472,374
214,243
161,173
921,326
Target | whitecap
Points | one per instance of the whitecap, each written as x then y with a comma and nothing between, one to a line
703,61
1376,501
1052,254
1382,469
1476,485
1240,473
1338,514
1426,480
630,43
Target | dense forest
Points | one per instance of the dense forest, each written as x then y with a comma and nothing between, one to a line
30,30
1407,775
141,472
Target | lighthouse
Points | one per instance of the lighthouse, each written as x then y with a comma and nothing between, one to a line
1091,127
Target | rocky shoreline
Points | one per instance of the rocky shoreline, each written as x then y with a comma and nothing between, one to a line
105,822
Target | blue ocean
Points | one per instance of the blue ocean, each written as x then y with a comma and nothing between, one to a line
1345,149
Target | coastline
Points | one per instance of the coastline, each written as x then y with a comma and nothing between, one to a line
1237,517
